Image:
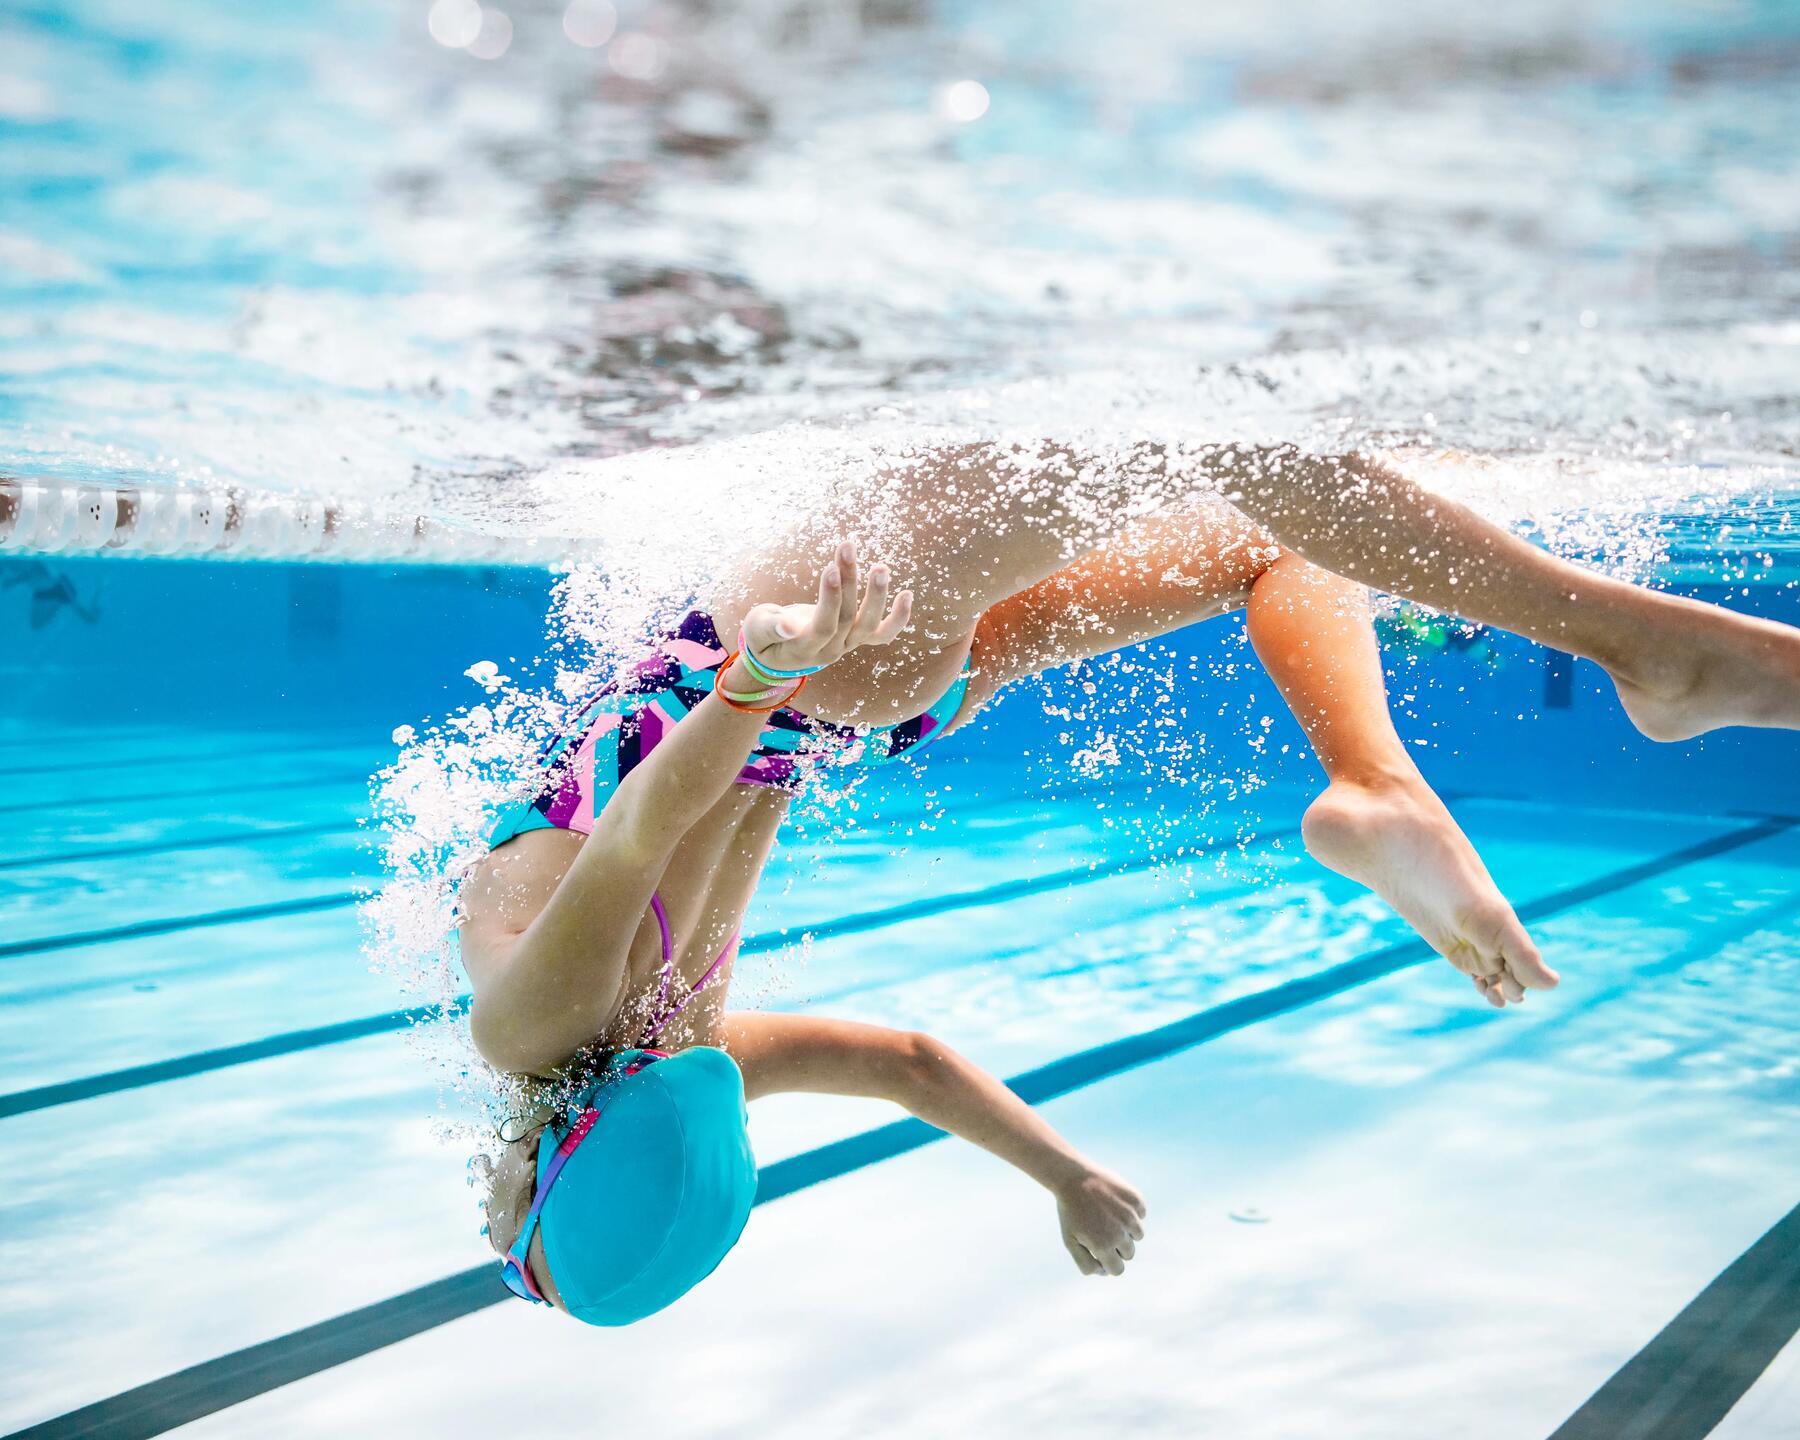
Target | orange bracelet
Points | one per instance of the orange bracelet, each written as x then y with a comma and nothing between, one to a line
739,705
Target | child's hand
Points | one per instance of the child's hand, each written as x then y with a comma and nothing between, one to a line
1102,1221
852,610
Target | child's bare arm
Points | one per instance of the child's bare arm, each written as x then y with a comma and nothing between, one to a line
1102,1216
542,992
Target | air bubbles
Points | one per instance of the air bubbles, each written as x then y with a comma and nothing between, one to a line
494,37
486,674
454,23
636,56
590,23
961,101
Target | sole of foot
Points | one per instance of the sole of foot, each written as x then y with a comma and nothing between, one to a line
1400,841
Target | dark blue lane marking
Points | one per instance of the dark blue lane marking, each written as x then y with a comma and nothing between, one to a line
214,1385
214,841
1680,1385
305,905
1764,815
324,902
188,1394
108,798
67,1092
1072,1072
21,1102
1047,795
1006,890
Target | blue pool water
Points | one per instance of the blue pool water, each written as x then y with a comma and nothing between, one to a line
305,261
201,1063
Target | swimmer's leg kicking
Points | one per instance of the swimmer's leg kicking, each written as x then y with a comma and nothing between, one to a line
1681,667
1377,821
974,526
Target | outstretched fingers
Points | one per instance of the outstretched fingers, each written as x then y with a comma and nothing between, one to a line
899,616
873,609
849,590
853,609
824,626
867,618
876,623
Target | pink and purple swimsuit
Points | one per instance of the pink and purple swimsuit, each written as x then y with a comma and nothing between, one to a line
623,723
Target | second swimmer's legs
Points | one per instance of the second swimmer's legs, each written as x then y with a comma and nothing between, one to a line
966,527
1682,668
1377,821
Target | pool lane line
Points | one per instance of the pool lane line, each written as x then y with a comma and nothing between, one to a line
174,924
215,841
1765,815
1114,1057
1681,1384
136,1077
945,801
252,787
73,855
757,944
199,1390
44,1097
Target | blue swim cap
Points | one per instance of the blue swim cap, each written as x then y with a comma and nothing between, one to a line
658,1190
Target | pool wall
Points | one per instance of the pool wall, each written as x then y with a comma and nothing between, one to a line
358,649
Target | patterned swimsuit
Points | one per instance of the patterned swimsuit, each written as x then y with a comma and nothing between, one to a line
624,722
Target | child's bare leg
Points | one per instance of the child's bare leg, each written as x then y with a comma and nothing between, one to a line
967,527
1681,667
1377,822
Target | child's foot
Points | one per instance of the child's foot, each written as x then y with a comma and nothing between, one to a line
1709,667
1397,838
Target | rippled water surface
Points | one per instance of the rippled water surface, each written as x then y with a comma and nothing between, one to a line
309,248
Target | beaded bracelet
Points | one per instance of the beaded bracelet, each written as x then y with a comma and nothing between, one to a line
737,703
769,672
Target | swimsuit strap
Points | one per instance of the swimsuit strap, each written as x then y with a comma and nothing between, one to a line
665,1012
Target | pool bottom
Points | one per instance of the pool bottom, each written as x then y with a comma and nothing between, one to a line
1631,920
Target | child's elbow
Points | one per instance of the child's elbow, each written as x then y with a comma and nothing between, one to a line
923,1062
501,1041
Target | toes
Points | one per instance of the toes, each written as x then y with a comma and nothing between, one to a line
1476,960
1525,962
1489,991
1503,952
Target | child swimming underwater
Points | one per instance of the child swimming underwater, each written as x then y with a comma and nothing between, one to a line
599,932
648,1181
